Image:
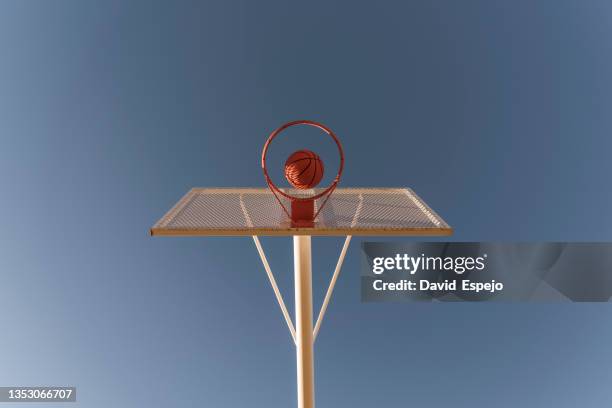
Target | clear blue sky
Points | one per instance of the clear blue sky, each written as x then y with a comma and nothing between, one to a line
496,112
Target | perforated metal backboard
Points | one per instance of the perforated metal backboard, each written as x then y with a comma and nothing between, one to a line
256,211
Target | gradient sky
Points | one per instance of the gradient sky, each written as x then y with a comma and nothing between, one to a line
497,113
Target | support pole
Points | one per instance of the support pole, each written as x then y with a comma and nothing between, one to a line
303,320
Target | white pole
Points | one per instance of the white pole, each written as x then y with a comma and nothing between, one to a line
303,320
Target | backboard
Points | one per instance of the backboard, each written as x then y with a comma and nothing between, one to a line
256,211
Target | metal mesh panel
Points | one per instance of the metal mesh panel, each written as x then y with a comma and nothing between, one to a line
255,211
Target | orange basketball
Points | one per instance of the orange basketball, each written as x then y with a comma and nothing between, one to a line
304,169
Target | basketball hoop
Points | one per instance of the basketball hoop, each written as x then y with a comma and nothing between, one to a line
255,212
302,208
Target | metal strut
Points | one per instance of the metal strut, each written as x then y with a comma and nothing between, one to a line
279,296
266,265
277,293
332,283
330,289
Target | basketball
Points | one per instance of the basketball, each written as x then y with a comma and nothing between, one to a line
304,169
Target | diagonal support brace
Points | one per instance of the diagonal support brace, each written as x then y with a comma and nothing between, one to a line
277,293
330,289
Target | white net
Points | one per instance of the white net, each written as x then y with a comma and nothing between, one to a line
255,211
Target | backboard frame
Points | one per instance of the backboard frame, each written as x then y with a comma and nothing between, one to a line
438,228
